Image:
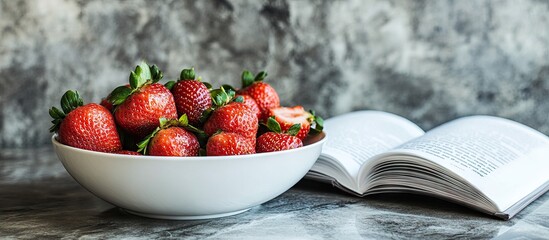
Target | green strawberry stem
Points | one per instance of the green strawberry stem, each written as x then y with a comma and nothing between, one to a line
187,74
69,101
220,97
273,125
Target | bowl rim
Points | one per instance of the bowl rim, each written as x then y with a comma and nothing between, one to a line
321,141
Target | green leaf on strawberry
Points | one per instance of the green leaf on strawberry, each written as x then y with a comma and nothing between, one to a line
274,126
142,75
228,87
248,78
208,85
169,85
318,125
294,129
119,95
156,74
260,76
143,145
69,101
221,97
239,99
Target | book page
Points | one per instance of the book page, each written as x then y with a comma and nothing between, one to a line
505,160
355,137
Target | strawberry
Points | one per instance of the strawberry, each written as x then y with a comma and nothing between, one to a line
277,139
138,108
191,96
233,117
171,139
288,116
272,142
174,141
227,143
250,102
108,105
264,95
89,126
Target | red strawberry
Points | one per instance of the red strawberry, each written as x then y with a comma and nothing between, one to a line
127,152
288,116
234,117
108,105
191,96
226,143
89,126
264,95
250,102
272,142
140,106
172,138
231,116
174,141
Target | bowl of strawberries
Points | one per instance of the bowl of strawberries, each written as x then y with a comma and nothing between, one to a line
182,150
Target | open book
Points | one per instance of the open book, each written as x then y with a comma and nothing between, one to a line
491,164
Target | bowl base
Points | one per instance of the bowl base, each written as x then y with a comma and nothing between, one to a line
176,217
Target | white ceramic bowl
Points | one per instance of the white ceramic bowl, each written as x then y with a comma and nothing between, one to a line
188,187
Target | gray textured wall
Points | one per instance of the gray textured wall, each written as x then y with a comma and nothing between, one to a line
430,61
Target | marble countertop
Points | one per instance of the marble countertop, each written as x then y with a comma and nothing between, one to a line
38,199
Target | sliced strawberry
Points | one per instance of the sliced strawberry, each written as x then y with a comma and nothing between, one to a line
289,116
226,143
